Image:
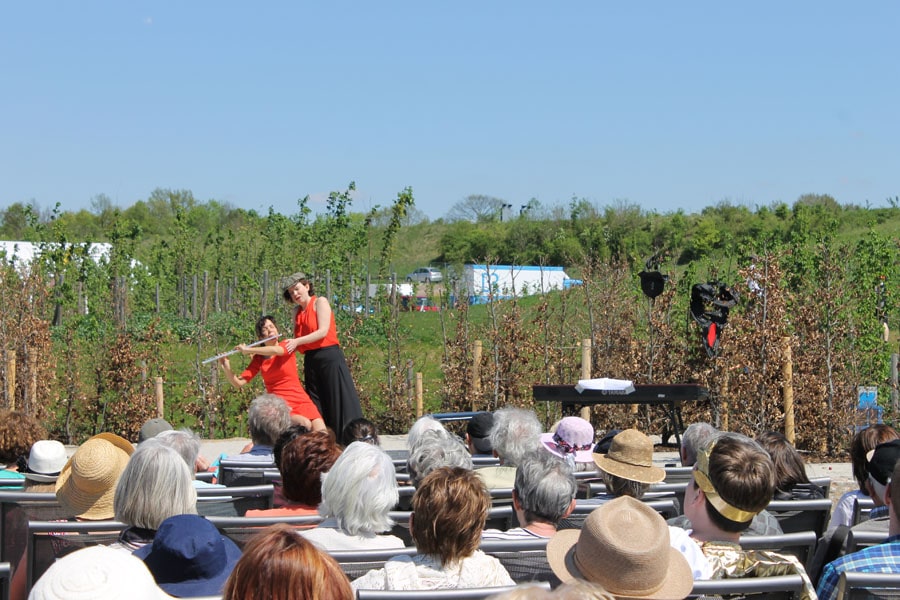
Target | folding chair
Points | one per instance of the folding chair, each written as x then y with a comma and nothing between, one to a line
770,588
857,540
861,509
241,529
242,474
858,586
801,515
525,560
16,507
678,474
824,484
801,544
457,594
5,575
234,501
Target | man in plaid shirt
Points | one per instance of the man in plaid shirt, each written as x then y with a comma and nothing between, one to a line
883,558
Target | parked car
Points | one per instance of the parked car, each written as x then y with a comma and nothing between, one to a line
425,275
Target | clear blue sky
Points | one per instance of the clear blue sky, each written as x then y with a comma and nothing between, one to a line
664,104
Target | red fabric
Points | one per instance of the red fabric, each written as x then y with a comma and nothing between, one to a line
711,335
279,373
305,322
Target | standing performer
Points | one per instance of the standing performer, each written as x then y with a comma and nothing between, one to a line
325,369
279,372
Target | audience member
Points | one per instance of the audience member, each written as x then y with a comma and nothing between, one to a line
155,485
478,431
422,424
303,461
288,435
360,430
624,547
97,573
694,439
45,461
544,493
791,480
572,440
575,589
86,485
863,442
627,469
734,479
449,511
153,428
18,433
189,557
435,449
277,564
267,418
515,433
187,444
357,493
879,465
882,558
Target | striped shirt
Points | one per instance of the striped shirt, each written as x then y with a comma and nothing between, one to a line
883,558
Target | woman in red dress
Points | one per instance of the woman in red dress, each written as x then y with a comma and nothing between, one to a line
278,366
325,369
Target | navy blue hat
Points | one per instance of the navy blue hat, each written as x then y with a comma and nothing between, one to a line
189,557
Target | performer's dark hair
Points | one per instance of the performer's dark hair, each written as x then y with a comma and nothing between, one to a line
261,322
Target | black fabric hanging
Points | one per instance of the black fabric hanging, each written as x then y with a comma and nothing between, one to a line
710,303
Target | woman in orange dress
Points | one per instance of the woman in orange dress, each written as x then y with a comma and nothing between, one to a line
278,366
325,369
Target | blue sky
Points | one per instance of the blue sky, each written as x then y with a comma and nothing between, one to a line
664,104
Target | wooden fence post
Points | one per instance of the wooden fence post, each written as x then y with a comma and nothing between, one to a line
11,380
788,391
160,404
476,372
419,408
586,372
265,291
895,401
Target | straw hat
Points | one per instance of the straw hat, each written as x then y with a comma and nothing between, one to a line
45,461
624,546
97,573
87,483
573,437
630,457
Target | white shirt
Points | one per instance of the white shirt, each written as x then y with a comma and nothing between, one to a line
424,572
330,538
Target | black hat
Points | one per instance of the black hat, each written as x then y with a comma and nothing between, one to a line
479,429
882,460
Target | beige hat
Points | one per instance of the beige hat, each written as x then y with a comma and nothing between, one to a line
630,457
624,546
87,483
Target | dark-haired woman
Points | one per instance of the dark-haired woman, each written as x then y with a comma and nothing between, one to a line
278,366
325,369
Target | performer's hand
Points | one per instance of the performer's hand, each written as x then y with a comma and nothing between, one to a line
242,348
226,364
291,344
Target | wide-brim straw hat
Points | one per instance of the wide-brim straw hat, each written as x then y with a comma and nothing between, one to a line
87,483
624,546
630,457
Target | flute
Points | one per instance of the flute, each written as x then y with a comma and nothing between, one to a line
230,352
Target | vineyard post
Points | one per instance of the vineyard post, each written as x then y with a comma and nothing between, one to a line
158,384
419,409
586,372
788,390
265,291
895,401
476,372
11,380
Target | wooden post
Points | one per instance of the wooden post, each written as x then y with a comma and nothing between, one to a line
723,392
11,380
157,298
586,372
787,393
419,409
476,372
160,405
895,401
194,313
265,291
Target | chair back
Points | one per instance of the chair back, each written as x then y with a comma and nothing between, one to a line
234,501
16,507
801,515
525,560
241,529
453,594
498,517
242,474
801,544
664,506
824,484
5,575
864,586
356,563
678,474
48,541
785,587
857,540
862,506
